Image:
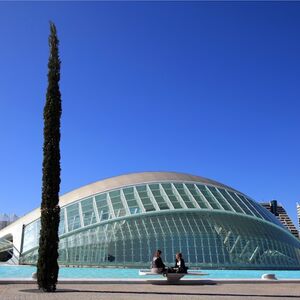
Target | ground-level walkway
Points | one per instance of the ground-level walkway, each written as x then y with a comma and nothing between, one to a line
144,291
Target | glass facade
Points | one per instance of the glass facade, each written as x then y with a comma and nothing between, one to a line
212,226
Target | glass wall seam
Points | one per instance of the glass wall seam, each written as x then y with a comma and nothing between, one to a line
227,236
161,228
187,241
244,249
153,228
171,233
234,244
178,234
254,253
194,235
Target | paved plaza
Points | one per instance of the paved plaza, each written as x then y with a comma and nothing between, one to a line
153,291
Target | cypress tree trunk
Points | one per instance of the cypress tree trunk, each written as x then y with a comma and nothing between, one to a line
47,266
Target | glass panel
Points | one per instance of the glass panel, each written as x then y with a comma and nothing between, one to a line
169,191
180,189
201,202
251,207
208,197
73,217
31,235
258,208
241,203
103,210
158,196
62,225
131,201
219,198
230,200
145,199
117,204
88,212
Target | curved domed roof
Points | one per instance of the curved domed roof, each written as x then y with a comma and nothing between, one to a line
185,191
176,191
133,179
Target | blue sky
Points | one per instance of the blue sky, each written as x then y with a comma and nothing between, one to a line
210,89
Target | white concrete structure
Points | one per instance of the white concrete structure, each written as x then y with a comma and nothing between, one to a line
120,221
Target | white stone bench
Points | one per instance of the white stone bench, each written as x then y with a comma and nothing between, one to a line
171,277
268,277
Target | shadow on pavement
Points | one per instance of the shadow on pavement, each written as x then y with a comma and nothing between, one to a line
162,293
182,282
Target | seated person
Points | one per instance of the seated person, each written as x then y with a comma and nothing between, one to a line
179,264
157,263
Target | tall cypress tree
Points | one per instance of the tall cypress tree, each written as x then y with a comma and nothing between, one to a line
47,266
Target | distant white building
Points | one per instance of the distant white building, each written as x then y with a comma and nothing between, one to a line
6,219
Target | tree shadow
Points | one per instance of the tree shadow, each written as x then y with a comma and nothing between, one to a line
59,291
182,282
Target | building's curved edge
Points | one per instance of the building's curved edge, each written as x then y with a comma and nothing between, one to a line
133,179
110,184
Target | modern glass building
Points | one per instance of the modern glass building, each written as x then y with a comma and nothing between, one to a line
122,220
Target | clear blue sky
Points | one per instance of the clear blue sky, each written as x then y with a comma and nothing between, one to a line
210,89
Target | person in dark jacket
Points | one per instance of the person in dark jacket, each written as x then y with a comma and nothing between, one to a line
157,264
179,264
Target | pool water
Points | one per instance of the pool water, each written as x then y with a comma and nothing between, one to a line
26,272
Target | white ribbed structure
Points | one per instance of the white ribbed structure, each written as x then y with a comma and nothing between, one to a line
121,220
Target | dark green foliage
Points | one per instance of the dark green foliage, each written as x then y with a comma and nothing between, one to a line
47,267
